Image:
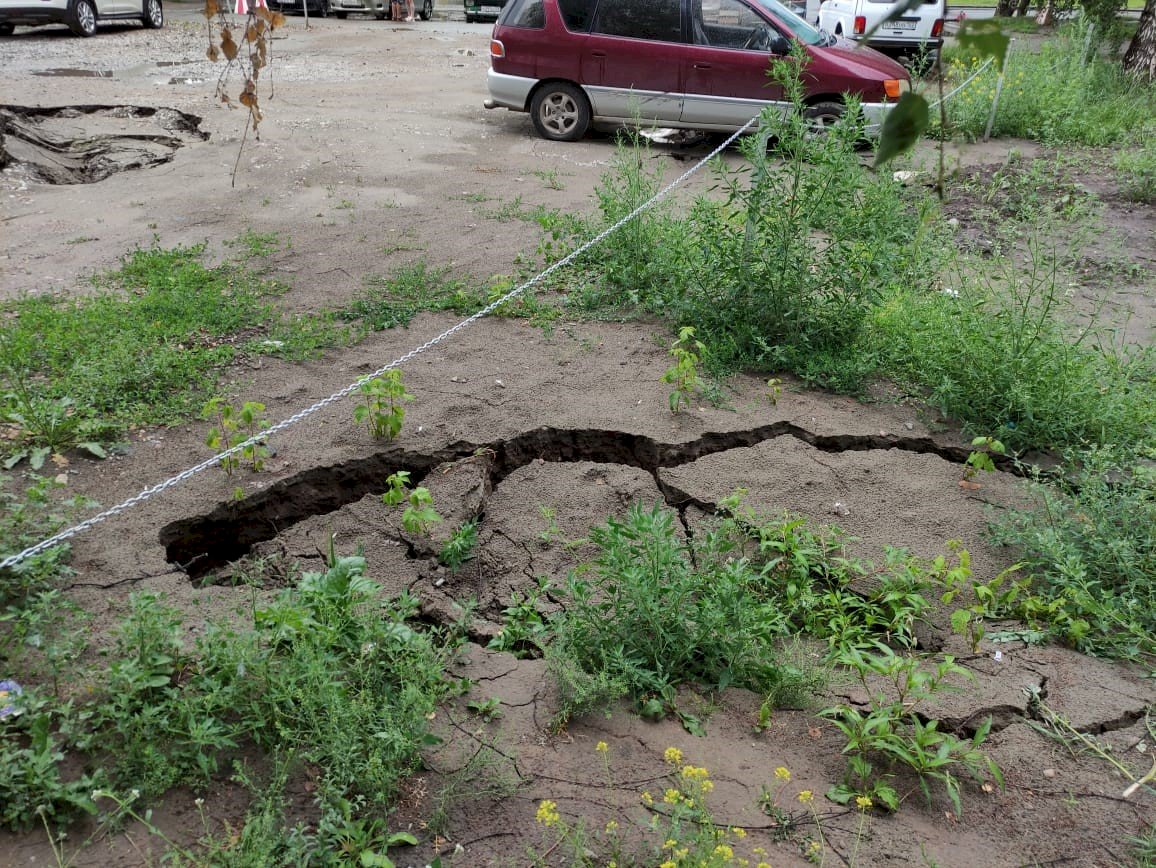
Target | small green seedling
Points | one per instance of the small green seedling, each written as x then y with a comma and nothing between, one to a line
980,459
459,548
774,389
486,709
384,407
683,374
419,514
234,426
552,530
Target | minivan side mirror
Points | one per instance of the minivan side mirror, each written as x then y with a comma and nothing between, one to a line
780,44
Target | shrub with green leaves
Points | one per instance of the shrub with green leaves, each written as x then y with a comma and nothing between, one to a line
26,518
649,619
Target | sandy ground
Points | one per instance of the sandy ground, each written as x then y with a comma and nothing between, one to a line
376,151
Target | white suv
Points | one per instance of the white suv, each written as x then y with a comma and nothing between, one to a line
81,16
916,34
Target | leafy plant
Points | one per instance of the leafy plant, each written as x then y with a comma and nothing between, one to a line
1088,545
683,374
419,513
459,548
384,408
524,628
233,427
979,460
892,733
487,709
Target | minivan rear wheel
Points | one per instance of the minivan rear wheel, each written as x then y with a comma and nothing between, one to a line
560,112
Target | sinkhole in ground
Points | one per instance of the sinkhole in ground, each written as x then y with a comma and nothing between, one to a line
87,143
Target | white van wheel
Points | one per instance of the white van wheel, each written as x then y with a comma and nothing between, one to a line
560,112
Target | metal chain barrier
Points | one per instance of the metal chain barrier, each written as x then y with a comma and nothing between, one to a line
173,481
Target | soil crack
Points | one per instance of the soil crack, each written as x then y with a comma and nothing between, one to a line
229,531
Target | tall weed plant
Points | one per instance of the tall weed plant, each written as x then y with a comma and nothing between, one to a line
1065,93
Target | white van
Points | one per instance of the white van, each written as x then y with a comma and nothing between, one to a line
916,34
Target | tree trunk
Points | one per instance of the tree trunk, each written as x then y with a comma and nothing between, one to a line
1140,59
1022,9
1004,9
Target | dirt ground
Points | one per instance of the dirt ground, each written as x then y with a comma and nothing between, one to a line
376,151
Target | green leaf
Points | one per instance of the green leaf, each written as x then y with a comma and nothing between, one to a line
959,621
691,723
93,449
985,39
902,127
369,859
401,838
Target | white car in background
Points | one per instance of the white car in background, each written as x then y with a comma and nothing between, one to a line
916,35
81,16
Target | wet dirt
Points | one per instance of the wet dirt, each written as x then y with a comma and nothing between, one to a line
538,435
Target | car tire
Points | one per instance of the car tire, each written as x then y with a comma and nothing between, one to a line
471,19
426,12
822,115
340,16
7,29
560,112
82,18
154,15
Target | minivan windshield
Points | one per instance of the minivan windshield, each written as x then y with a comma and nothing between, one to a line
803,31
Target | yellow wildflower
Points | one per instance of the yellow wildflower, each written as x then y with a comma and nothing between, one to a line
548,813
647,799
668,864
806,797
602,747
612,826
763,865
783,774
707,786
724,851
669,844
862,803
673,756
739,832
672,797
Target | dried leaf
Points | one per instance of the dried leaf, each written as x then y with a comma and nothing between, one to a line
278,20
968,485
251,33
211,8
213,54
228,46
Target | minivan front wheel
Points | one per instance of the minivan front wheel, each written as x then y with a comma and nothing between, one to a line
82,21
560,112
822,115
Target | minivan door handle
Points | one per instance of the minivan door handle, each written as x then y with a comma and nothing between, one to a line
597,53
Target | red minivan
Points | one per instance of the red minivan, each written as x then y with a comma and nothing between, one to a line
696,64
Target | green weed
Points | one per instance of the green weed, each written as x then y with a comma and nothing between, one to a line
683,374
459,548
1089,548
26,518
233,427
384,408
386,302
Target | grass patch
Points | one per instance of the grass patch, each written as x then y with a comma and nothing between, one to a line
327,677
391,301
1089,544
145,349
1057,95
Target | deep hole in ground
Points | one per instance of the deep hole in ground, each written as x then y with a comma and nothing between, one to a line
84,144
200,544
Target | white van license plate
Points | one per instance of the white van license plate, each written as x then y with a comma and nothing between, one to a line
903,24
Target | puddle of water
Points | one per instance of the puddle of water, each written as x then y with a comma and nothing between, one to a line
75,73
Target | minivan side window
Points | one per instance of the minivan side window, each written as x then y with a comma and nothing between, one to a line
525,13
730,24
658,20
576,14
